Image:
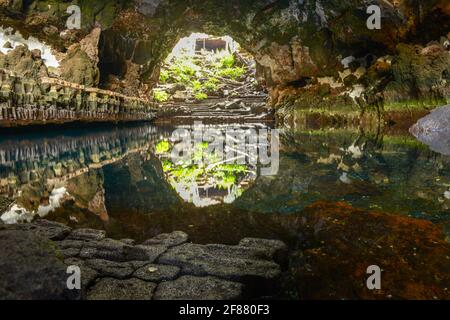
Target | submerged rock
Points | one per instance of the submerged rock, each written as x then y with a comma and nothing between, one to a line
338,243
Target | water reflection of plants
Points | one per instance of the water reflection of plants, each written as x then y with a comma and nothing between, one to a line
204,178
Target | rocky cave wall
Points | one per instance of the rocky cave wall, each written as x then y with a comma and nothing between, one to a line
308,52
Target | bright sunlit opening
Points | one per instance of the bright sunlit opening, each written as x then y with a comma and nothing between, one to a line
188,46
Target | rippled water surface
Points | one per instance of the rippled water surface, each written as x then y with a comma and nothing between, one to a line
126,180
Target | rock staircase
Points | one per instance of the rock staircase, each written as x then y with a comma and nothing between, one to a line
247,109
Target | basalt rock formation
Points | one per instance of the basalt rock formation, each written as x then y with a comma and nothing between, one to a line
164,267
307,52
29,95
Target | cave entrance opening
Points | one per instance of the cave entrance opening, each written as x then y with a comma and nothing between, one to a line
212,75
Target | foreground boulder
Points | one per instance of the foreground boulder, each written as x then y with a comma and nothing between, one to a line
434,130
30,268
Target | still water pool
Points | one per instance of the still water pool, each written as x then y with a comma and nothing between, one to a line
137,181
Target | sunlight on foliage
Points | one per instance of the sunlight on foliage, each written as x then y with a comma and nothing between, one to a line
201,96
200,75
164,76
162,147
227,61
161,96
232,73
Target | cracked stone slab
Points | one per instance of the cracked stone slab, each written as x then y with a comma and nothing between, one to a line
198,288
137,264
94,253
157,272
70,244
144,253
270,245
87,235
119,270
130,242
69,252
168,239
47,229
113,289
276,249
108,249
228,262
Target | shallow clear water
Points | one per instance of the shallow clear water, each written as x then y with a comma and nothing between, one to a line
140,180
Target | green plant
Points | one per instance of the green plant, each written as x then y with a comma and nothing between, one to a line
200,74
211,84
201,96
232,73
183,70
161,96
167,165
164,76
162,147
197,85
227,62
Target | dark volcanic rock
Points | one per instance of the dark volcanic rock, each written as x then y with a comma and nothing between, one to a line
105,249
237,263
94,253
115,269
29,268
157,273
130,242
69,252
113,289
87,234
119,270
47,229
434,130
198,288
168,239
69,244
145,253
277,249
